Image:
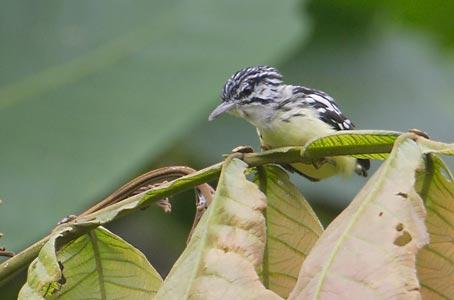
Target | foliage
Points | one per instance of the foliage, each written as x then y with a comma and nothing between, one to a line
90,96
98,264
263,241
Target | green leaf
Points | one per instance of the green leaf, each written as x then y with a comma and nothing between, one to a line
96,99
97,265
373,144
369,250
435,262
292,230
226,249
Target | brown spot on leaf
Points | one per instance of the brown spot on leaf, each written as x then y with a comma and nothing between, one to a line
403,195
403,239
400,227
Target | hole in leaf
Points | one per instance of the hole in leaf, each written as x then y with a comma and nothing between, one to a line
400,227
403,239
403,195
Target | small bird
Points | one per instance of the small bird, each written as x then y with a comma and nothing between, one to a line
288,115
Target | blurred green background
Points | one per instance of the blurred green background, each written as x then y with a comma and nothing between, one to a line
93,93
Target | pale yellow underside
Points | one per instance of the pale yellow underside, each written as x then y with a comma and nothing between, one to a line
298,132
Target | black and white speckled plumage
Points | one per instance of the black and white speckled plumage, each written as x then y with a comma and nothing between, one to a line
325,105
243,82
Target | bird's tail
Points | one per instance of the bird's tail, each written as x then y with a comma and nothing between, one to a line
362,166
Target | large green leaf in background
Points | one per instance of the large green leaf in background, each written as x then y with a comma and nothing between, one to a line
432,17
90,91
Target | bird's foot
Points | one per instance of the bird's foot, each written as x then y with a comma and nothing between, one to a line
243,149
265,147
322,161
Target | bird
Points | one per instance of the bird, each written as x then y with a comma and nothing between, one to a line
288,115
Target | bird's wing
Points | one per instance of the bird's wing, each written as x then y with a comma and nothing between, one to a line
331,114
327,108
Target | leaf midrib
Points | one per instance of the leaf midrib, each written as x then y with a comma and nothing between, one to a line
98,264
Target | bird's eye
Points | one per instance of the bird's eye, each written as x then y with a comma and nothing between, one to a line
246,91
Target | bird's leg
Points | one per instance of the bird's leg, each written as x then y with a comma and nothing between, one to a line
291,169
320,162
265,147
243,149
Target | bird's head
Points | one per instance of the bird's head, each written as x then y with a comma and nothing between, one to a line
250,93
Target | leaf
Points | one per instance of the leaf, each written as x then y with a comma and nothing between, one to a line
226,249
97,265
292,230
429,146
97,99
435,262
369,250
373,144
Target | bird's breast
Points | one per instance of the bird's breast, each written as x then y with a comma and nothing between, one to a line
293,129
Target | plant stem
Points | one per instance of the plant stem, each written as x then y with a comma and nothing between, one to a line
13,265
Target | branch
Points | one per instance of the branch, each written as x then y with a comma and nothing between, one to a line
13,265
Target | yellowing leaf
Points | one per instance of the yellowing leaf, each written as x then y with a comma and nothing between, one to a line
435,262
97,265
227,246
369,250
292,230
430,146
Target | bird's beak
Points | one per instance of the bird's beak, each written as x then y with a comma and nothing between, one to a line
222,108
